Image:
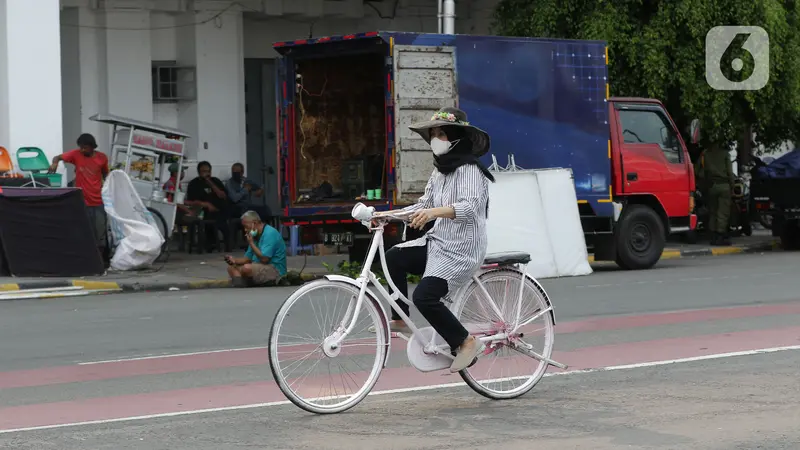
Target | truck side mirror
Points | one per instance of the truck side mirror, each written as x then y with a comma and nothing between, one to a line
694,131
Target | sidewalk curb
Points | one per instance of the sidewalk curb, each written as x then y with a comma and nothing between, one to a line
109,287
51,284
717,251
732,250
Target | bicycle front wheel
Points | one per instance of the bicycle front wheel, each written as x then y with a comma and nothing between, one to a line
310,374
507,370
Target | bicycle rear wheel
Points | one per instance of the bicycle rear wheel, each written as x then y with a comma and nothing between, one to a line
310,374
505,370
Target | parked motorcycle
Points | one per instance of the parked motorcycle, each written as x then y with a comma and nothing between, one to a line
742,210
741,206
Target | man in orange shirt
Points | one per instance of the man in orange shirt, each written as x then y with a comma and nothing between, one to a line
91,169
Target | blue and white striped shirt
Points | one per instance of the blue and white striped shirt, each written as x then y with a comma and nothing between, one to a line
456,247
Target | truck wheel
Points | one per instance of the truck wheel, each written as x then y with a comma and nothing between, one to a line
640,238
790,236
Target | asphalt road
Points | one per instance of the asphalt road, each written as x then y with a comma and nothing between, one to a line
665,391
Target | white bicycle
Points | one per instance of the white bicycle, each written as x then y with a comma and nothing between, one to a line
502,306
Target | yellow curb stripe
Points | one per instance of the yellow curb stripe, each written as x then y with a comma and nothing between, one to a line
726,251
670,254
9,287
96,285
675,254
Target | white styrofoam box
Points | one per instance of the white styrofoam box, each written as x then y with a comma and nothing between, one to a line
560,210
536,211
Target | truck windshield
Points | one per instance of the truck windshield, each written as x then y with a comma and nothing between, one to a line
650,127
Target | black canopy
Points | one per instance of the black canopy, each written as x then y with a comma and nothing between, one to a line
46,233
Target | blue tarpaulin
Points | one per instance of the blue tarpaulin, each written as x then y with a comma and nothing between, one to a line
787,166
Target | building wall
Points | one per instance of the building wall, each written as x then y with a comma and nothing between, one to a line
107,58
30,70
473,17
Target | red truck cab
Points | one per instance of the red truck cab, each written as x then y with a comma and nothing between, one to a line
652,182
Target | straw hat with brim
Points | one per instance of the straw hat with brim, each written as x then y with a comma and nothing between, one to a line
454,117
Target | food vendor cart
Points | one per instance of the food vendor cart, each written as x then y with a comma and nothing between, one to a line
145,151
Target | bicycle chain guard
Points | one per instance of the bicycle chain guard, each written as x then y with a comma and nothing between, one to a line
426,362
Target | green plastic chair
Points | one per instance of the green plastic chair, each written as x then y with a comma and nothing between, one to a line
33,161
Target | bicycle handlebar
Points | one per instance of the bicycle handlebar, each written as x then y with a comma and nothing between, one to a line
364,213
402,217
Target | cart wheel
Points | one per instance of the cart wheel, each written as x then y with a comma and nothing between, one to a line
162,224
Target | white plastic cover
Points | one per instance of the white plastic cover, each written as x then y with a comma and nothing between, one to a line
134,231
536,211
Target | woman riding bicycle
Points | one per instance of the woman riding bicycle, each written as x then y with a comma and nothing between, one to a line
457,198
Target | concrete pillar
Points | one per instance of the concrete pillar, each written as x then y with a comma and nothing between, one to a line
129,64
30,75
71,77
216,119
187,56
83,78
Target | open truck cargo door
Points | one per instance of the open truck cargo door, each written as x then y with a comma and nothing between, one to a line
333,100
283,128
424,81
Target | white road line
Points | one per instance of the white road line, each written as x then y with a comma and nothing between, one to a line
411,389
172,355
26,295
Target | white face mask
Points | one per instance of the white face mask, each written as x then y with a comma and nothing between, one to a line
441,147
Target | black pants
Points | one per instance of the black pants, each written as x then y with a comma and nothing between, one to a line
99,222
221,223
428,294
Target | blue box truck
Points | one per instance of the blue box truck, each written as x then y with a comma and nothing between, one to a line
345,103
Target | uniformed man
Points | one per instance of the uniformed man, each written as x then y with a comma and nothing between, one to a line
717,171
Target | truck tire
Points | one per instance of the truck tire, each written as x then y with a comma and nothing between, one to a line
790,235
639,238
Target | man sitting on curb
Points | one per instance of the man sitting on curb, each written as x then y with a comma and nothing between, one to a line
265,259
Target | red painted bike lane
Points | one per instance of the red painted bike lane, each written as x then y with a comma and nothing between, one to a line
252,357
244,394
